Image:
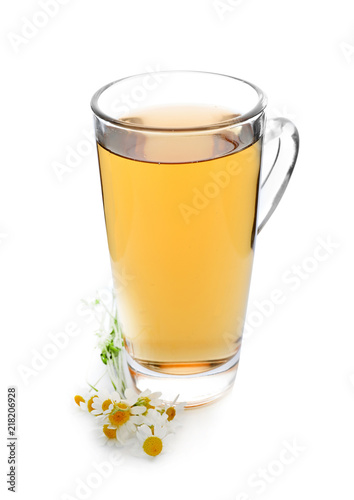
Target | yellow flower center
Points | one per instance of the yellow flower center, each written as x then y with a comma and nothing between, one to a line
152,446
171,412
78,400
89,403
119,415
105,404
110,433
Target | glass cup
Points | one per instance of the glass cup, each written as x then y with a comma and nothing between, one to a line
180,163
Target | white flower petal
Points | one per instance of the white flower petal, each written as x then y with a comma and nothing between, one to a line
159,432
145,394
144,431
132,427
137,420
115,397
123,433
130,392
155,395
137,410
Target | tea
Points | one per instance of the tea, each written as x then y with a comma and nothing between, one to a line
181,222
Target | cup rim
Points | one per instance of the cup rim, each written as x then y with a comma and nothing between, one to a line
240,119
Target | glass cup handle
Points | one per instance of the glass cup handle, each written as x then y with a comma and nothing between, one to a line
274,185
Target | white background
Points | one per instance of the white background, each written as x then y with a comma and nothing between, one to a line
296,376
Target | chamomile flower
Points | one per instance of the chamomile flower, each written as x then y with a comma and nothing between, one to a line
146,398
106,435
81,402
103,401
125,413
155,417
90,402
173,412
150,442
123,418
85,402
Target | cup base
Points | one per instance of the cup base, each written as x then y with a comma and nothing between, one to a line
193,390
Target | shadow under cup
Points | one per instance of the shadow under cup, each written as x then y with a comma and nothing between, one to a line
180,160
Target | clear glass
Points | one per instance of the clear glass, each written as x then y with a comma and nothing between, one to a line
180,163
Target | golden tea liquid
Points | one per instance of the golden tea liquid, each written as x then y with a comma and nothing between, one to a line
181,222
